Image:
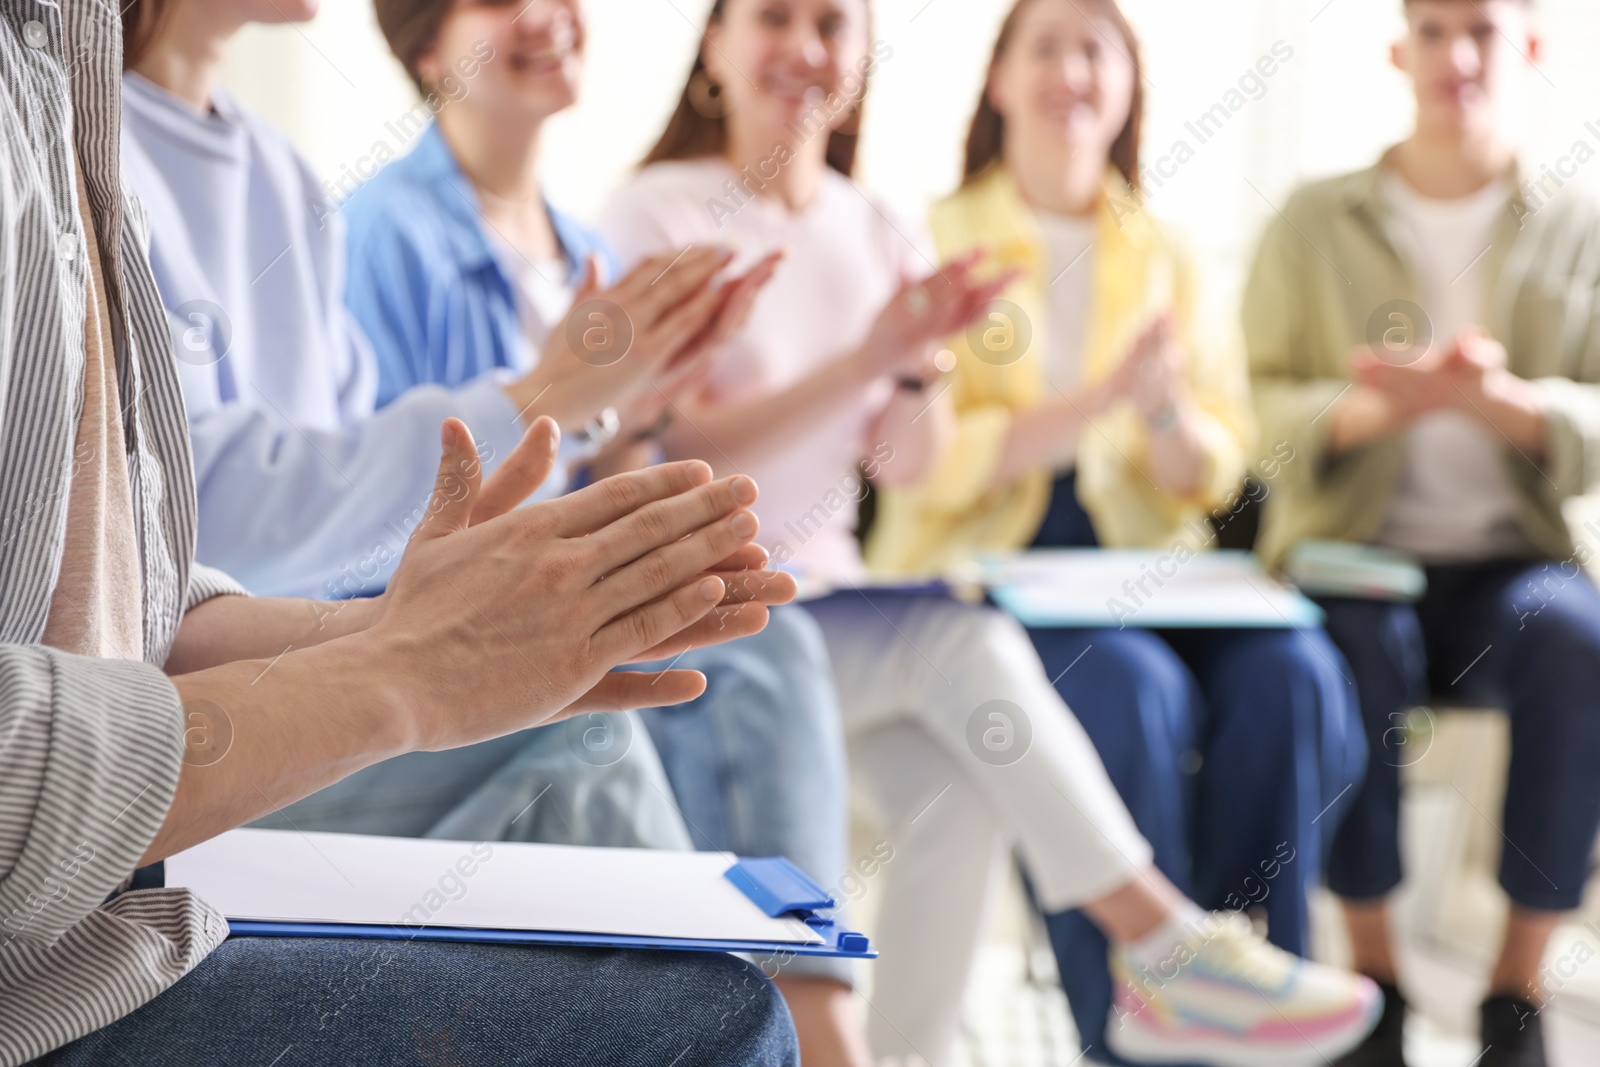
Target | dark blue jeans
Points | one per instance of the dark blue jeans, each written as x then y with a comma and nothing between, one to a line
1231,749
1515,634
293,1002
1235,750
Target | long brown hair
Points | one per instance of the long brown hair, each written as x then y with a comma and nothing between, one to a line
986,138
692,134
142,23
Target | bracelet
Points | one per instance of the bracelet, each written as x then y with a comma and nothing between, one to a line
601,429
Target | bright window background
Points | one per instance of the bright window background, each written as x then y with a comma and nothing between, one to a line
332,85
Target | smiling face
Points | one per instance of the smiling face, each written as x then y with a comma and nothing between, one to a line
778,60
1065,80
537,62
1464,58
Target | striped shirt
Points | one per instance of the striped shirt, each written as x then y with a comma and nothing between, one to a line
90,749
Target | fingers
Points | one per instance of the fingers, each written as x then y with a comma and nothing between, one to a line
627,690
760,587
728,623
523,472
456,488
738,300
589,287
664,569
598,506
981,296
651,297
673,333
750,557
665,522
623,639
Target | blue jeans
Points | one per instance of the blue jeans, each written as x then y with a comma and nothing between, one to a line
757,763
590,780
300,1001
1235,751
1231,749
1510,633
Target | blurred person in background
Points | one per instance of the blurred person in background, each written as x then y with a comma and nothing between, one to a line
836,368
1424,334
1110,417
460,269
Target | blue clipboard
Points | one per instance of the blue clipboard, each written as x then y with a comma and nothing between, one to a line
775,885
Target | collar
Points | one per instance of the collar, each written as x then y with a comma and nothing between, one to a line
434,164
1363,191
1123,223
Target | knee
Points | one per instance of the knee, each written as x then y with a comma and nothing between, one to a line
794,634
734,1014
1136,665
1303,669
787,666
1562,636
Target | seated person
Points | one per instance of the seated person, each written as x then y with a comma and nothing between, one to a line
1422,334
115,640
956,731
1106,416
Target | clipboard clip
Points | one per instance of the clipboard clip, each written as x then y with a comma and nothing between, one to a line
779,888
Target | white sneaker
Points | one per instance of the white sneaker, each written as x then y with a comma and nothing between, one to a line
1230,999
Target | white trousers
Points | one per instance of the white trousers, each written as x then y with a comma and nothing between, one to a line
967,752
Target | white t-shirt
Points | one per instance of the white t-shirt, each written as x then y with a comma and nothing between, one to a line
1069,298
1455,501
544,290
845,258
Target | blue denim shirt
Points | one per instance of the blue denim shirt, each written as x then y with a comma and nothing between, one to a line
425,281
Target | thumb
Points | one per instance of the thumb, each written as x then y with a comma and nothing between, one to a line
455,490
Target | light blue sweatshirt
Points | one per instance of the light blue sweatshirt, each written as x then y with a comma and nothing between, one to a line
303,489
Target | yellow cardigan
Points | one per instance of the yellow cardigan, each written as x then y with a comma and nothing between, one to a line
1139,272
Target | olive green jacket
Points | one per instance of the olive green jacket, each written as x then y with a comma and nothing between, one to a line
1323,284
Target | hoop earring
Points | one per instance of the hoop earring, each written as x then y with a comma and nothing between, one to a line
706,96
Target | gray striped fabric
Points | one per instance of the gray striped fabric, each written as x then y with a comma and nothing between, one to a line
90,750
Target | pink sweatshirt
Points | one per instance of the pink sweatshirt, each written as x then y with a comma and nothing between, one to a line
845,258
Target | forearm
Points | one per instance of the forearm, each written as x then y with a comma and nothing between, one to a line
1360,417
295,511
227,629
743,432
263,733
1513,407
916,428
1175,456
1046,436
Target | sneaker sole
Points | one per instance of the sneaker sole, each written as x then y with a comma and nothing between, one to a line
1132,1041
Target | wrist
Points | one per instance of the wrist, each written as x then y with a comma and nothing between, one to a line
1513,406
380,685
539,393
862,367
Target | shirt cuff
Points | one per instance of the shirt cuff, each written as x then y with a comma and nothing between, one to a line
108,776
208,582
